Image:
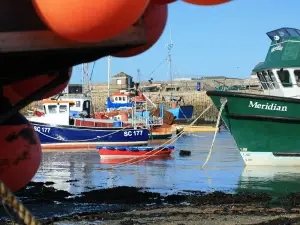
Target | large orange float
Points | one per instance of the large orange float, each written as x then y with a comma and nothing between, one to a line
89,20
17,91
155,19
21,152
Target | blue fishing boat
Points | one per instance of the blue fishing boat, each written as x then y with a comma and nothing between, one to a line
182,113
56,130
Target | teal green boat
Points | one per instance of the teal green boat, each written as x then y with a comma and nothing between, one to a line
266,127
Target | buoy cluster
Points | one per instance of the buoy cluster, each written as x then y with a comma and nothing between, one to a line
80,21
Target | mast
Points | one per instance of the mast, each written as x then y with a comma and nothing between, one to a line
108,75
170,46
82,76
170,65
138,76
85,79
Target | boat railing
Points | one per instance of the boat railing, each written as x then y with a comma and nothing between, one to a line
149,121
261,87
247,86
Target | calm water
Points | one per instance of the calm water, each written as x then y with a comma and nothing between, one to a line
225,170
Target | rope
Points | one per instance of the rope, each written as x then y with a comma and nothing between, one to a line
91,139
215,135
201,114
172,140
183,113
10,199
144,156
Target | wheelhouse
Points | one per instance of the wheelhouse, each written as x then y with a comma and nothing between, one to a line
279,74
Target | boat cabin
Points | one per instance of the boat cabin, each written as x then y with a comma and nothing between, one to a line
279,74
56,112
81,105
122,97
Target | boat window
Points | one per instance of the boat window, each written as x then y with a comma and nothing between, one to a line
293,32
86,104
124,99
284,77
268,79
77,103
120,98
63,109
262,80
273,78
52,109
297,77
116,98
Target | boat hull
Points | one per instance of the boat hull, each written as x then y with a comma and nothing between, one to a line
131,160
132,152
265,128
72,137
182,113
157,132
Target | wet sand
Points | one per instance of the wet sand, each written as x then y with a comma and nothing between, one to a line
178,215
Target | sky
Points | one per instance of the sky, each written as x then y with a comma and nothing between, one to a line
223,40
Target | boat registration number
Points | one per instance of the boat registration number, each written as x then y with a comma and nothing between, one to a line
42,129
133,133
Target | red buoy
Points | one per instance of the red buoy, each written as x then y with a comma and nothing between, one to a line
89,20
206,2
155,19
162,2
20,153
19,90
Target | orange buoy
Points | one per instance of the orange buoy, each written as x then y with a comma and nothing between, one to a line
19,90
89,20
207,2
162,2
155,19
20,153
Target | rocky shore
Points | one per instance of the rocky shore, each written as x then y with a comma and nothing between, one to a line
140,206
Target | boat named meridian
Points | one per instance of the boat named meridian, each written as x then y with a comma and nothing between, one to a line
267,106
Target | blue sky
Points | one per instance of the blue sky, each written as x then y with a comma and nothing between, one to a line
224,40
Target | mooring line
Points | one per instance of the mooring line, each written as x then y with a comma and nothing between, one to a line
147,155
216,131
11,200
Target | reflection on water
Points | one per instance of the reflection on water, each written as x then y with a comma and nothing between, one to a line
224,171
276,181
